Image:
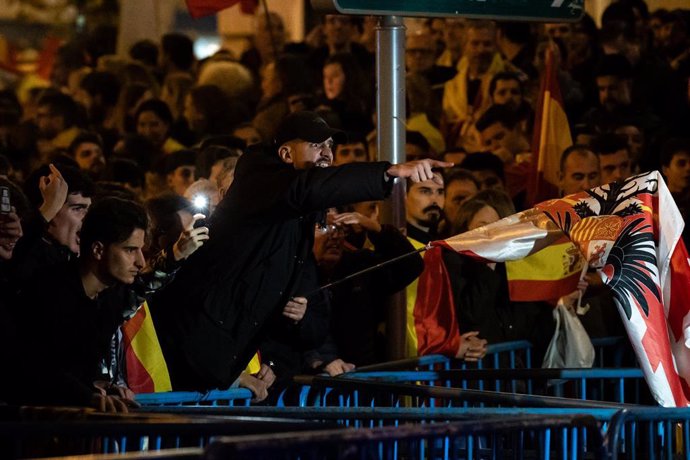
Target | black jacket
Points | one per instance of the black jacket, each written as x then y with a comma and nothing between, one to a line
211,318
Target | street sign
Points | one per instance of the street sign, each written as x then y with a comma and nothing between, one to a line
506,10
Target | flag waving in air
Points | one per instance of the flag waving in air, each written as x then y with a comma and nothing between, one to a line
631,231
551,134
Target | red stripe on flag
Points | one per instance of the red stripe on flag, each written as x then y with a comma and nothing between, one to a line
541,290
434,310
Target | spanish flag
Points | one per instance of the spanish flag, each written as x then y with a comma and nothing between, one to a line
146,368
546,275
431,326
201,8
551,136
147,371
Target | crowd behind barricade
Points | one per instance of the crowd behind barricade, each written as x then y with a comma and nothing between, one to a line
113,172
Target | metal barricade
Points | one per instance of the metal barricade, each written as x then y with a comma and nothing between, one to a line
649,433
229,397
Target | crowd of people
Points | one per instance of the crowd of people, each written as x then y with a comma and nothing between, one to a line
224,192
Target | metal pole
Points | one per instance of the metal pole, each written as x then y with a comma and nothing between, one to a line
390,112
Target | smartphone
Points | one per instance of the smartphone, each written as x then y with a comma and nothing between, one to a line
5,205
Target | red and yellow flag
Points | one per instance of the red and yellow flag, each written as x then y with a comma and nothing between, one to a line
551,136
432,326
146,368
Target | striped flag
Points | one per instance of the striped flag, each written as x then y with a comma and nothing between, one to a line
147,371
551,136
631,231
431,326
201,8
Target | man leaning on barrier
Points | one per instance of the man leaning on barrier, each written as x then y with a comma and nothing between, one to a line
212,317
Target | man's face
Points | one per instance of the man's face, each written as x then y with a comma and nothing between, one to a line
480,47
635,140
615,166
123,261
152,127
494,136
580,172
49,124
457,192
328,244
613,92
508,93
89,157
420,52
563,31
350,153
249,134
66,224
488,180
678,172
181,178
454,33
338,30
333,80
424,203
304,155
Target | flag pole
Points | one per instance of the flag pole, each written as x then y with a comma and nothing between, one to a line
367,270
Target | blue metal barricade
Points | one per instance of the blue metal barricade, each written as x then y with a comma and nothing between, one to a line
535,436
649,433
230,397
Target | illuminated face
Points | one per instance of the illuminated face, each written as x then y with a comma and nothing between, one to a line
613,92
152,127
304,155
485,216
580,172
507,92
457,192
615,166
122,262
181,178
424,203
66,224
493,137
89,157
333,81
350,153
480,47
678,172
420,52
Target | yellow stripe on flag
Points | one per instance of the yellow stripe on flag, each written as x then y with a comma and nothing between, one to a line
147,349
411,342
545,275
254,365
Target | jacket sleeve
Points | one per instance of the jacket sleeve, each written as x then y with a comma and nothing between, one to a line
281,192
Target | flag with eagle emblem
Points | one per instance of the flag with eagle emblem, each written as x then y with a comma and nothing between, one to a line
631,232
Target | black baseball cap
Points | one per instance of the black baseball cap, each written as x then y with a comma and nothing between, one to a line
307,126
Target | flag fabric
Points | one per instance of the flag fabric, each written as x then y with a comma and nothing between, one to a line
201,8
145,364
551,135
546,275
431,326
541,263
631,232
147,371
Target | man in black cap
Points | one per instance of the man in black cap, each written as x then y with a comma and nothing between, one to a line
213,317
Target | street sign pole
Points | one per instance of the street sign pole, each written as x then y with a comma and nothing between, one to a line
390,126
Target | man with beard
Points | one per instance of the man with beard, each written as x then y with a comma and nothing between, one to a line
87,151
424,208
